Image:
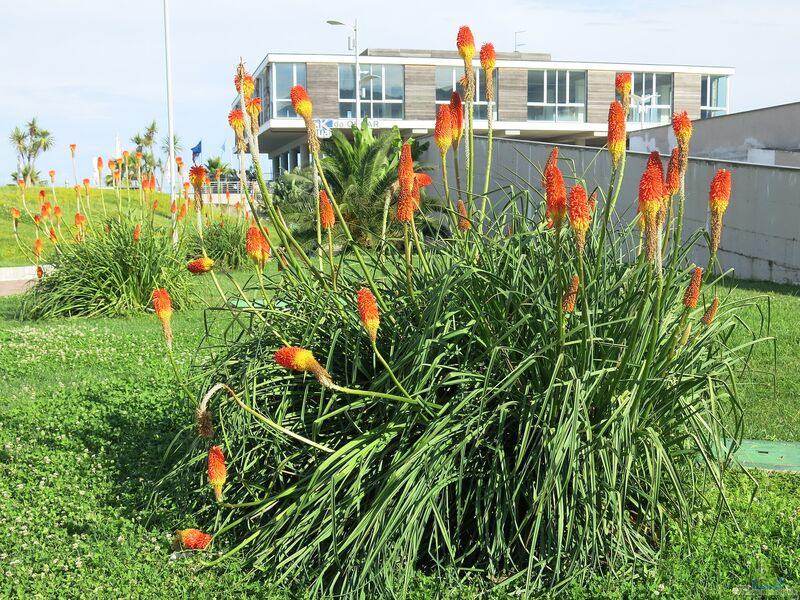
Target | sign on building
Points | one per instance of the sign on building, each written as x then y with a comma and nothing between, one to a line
324,127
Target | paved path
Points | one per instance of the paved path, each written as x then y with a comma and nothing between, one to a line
15,280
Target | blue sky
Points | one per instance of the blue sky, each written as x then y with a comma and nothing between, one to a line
91,70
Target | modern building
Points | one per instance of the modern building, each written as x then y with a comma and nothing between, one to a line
536,97
765,136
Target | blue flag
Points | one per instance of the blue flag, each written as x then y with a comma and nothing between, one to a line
197,150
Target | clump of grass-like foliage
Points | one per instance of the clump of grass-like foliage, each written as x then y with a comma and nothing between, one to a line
496,427
224,241
109,273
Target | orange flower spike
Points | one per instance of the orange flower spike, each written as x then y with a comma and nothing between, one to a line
673,182
39,272
37,248
552,161
405,206
53,234
162,304
72,148
86,183
405,169
249,85
579,215
326,217
137,233
443,133
368,311
616,132
718,198
300,359
623,85
692,294
464,223
80,220
15,215
465,43
99,164
217,471
236,120
182,211
138,157
253,106
21,184
52,175
651,190
556,196
37,219
257,246
301,102
711,312
200,265
488,57
192,539
682,126
571,295
456,118
57,213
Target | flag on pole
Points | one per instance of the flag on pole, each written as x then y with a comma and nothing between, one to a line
223,147
197,151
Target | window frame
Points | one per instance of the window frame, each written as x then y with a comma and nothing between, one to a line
368,103
457,72
650,107
274,99
556,104
705,83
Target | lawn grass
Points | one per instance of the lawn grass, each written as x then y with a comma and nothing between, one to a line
88,407
11,255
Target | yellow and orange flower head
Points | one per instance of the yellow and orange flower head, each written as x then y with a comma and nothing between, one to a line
99,165
72,148
465,43
15,216
57,213
39,272
192,539
182,211
673,181
456,118
217,471
300,359
579,215
711,312
249,85
200,265
692,294
179,164
253,106
555,195
443,133
622,86
21,184
162,304
86,183
405,169
405,206
125,156
464,223
138,156
197,177
616,132
37,219
257,246
326,217
301,102
53,234
52,175
718,198
236,121
651,195
552,160
80,220
682,126
488,58
571,295
137,233
37,248
217,174
368,311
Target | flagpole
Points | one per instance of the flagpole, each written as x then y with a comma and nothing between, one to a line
170,127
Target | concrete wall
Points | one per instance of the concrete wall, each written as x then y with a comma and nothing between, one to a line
735,136
762,224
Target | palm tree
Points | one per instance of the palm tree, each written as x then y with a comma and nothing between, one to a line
215,162
362,175
165,150
28,143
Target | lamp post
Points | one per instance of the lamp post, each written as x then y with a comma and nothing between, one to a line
170,127
354,27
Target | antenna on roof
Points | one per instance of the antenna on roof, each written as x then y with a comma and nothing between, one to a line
517,44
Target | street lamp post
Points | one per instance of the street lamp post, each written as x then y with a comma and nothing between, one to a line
358,66
170,127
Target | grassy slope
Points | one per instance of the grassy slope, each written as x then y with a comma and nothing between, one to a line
10,253
90,405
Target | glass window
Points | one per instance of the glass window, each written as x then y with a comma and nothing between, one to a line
556,95
651,98
284,77
713,96
381,91
448,80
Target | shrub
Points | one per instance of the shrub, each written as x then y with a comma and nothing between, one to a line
537,404
224,240
109,274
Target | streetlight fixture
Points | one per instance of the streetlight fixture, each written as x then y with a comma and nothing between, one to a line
518,45
358,78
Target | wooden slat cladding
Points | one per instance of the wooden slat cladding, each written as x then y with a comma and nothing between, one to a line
513,94
600,94
420,92
323,87
686,93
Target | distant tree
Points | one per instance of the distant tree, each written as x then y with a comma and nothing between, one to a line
215,162
29,141
27,173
